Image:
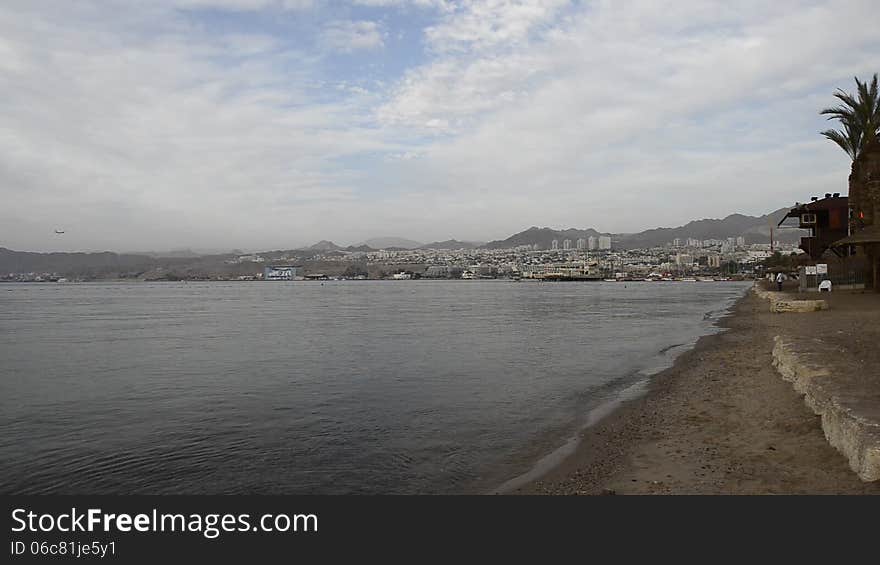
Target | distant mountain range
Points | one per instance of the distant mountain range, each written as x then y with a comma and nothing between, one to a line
755,229
389,242
542,237
453,244
72,263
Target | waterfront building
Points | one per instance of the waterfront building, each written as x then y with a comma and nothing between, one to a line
279,273
437,272
825,218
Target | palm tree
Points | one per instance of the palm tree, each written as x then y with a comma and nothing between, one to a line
859,115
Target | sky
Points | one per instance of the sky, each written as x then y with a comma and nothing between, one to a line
272,124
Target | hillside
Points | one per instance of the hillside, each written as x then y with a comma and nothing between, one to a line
452,244
755,229
543,237
72,263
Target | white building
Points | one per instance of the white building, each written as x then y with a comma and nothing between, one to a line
592,243
566,244
684,259
604,242
279,273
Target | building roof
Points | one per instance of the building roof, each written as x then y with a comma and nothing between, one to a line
870,234
827,203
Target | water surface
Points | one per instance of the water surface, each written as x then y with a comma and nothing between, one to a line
297,387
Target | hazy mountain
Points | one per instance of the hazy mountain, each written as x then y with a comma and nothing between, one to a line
755,229
183,253
71,263
323,245
389,242
543,237
453,244
361,248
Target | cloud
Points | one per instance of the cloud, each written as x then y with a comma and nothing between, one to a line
481,24
156,127
159,138
614,114
439,4
244,5
345,36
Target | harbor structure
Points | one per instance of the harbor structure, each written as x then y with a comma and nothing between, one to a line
280,273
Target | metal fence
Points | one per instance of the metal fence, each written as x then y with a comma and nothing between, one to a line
848,273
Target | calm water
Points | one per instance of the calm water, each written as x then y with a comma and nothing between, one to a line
345,387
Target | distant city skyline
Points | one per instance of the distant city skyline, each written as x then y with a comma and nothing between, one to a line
267,124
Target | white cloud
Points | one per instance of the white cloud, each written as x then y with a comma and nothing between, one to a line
480,24
440,4
637,114
244,5
138,128
346,36
129,139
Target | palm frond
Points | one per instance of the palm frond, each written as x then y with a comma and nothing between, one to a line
842,140
859,114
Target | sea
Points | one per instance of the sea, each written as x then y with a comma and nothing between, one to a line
336,387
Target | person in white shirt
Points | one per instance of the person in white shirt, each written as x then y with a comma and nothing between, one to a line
779,278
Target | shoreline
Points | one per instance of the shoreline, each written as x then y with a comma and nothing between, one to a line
550,461
719,420
632,393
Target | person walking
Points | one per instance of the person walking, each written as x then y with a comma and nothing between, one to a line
779,278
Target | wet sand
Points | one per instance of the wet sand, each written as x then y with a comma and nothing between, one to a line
720,421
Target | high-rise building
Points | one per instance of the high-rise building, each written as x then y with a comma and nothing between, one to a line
592,243
581,243
555,245
604,242
740,241
566,244
676,242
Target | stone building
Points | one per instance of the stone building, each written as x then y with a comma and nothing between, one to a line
864,209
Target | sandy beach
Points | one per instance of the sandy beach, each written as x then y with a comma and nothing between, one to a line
722,420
